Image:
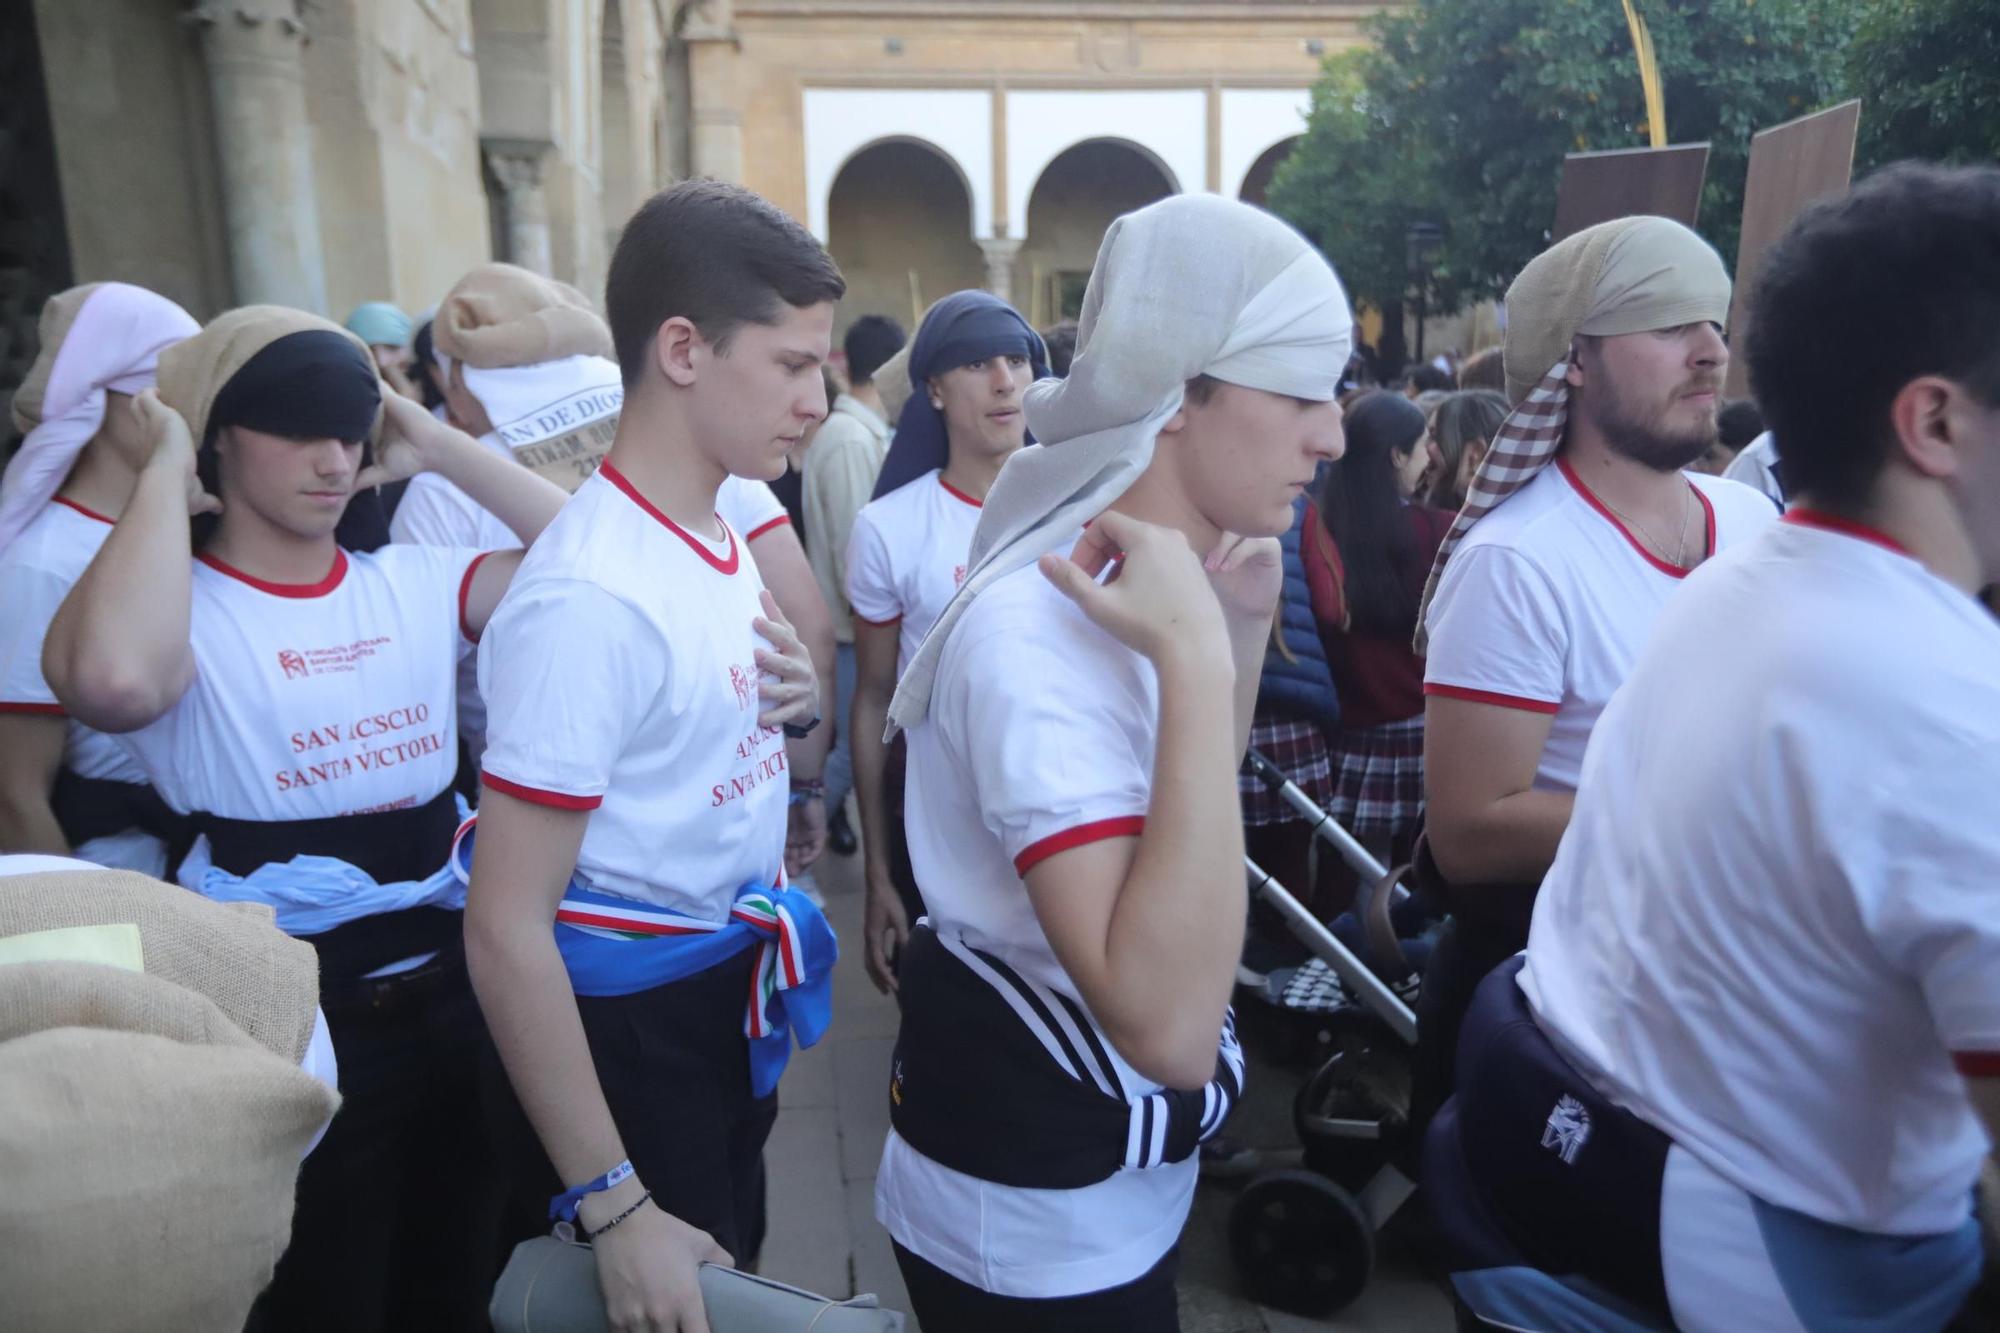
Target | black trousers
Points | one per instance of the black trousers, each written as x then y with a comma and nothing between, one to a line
1463,955
1147,1304
675,1069
397,1207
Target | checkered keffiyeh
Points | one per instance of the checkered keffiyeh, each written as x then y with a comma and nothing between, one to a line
1523,446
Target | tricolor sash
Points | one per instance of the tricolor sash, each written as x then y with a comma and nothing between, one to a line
620,946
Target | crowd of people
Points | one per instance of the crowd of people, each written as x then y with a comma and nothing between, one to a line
522,660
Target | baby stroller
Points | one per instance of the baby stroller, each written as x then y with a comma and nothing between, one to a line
1304,1240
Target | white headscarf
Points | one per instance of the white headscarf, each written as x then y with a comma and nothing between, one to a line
112,345
1193,285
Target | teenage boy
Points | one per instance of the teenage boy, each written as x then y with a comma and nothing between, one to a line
627,885
292,701
1072,806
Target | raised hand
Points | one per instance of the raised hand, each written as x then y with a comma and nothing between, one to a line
171,445
1159,601
1248,575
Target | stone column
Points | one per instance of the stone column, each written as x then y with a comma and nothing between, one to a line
715,110
517,165
1000,254
256,81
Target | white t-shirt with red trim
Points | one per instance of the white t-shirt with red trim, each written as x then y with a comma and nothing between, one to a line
1771,927
36,572
620,678
316,700
907,556
435,512
1039,738
1546,603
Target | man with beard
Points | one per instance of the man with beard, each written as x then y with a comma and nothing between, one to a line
1615,361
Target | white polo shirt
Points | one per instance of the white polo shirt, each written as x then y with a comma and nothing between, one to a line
1771,929
37,571
1546,603
620,678
434,512
1040,738
321,699
907,556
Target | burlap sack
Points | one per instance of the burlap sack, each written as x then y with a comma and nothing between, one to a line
500,315
192,373
265,982
58,314
149,1159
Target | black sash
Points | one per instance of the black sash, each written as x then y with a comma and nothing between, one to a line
1572,1178
87,808
1011,1082
389,845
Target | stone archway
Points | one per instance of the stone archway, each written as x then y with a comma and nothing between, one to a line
1076,197
1257,180
899,224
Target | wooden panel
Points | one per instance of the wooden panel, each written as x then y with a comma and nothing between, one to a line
1624,182
1790,166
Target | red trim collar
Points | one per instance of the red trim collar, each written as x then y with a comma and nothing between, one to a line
1847,527
726,564
1671,571
320,589
87,513
956,493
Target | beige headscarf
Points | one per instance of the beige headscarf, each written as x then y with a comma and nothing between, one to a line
151,1122
1632,275
192,373
1193,285
539,360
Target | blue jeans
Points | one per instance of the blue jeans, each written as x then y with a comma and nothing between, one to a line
840,763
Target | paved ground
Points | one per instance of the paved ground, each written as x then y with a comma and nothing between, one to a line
829,1137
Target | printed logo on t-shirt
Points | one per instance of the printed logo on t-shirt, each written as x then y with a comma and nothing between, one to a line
744,681
334,751
1568,1129
339,658
957,575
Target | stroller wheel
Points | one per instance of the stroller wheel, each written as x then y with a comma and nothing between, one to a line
1301,1243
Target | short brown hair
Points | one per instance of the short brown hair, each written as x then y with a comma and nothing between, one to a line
715,255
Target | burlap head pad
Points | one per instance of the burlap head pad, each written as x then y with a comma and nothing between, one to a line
502,315
192,373
150,1150
58,315
1631,275
265,982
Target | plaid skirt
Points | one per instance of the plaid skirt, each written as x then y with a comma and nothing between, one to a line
1300,749
1378,785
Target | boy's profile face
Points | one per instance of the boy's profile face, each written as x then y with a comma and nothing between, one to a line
754,401
1245,455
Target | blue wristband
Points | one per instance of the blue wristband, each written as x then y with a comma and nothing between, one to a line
563,1206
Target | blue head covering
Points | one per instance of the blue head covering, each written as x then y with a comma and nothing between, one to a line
379,324
963,328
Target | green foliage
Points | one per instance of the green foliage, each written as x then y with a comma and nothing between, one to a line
1462,110
1928,75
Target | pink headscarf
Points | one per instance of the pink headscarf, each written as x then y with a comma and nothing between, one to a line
112,345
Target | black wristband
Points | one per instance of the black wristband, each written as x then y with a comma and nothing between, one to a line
593,1235
799,733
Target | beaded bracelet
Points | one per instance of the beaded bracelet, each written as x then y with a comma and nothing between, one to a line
593,1235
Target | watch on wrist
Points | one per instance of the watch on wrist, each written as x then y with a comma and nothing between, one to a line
799,733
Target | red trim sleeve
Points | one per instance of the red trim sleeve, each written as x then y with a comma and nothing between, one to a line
1977,1064
1498,700
781,521
1128,826
537,796
465,592
35,710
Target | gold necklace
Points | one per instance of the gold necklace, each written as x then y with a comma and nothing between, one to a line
1680,547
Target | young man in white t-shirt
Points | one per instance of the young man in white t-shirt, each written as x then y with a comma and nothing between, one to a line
63,785
526,367
629,872
292,702
1543,604
1072,807
1770,932
907,556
